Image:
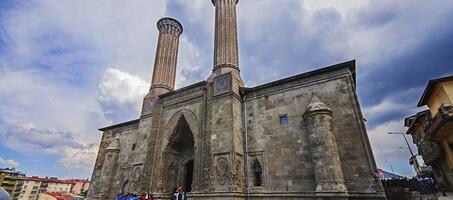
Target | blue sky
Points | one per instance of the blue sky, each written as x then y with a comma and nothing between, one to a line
70,67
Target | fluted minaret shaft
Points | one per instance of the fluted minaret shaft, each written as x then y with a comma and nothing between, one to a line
225,40
164,73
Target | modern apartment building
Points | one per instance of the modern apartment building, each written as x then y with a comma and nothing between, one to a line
432,129
12,181
34,186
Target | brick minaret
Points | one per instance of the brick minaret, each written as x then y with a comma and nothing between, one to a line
225,41
164,73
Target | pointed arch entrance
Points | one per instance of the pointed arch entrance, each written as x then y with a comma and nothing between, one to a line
179,157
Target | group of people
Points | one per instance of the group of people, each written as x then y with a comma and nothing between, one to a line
423,184
130,196
177,194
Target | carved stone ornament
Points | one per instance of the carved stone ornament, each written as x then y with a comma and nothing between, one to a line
148,106
137,185
222,171
236,178
222,84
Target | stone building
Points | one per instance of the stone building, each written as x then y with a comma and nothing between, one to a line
301,137
432,129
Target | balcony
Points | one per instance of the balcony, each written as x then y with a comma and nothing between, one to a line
428,149
9,183
8,188
441,125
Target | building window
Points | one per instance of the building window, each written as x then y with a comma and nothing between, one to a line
283,120
257,174
133,147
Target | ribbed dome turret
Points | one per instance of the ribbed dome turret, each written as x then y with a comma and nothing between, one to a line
317,106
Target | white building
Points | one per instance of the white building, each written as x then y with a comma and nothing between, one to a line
34,186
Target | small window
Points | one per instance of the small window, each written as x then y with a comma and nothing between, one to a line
257,174
133,147
283,120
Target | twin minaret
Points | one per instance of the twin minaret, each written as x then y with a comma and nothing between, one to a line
225,48
225,39
164,73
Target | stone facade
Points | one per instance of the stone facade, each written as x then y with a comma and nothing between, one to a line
302,137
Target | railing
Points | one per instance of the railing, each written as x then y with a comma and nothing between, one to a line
429,150
445,113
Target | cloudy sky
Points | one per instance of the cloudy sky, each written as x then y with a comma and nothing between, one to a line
69,67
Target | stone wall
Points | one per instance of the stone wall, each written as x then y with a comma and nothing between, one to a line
280,150
127,137
284,149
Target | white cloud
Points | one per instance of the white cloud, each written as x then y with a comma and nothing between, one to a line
56,56
388,107
120,87
344,7
114,33
391,148
8,163
40,117
74,154
79,160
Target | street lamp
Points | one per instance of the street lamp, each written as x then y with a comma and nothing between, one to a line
391,166
408,147
407,143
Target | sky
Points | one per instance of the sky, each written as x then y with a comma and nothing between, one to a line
70,67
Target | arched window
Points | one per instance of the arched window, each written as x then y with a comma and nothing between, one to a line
257,174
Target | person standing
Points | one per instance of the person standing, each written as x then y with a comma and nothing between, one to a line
119,196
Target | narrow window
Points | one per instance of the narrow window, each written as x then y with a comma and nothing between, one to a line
283,120
257,174
133,147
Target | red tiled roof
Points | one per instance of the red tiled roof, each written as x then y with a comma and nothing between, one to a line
429,89
59,196
78,180
50,180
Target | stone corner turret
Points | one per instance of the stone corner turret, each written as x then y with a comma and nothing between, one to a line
318,118
316,106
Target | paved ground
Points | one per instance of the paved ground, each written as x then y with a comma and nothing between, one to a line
448,197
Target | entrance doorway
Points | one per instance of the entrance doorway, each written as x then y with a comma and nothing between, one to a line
189,176
179,157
